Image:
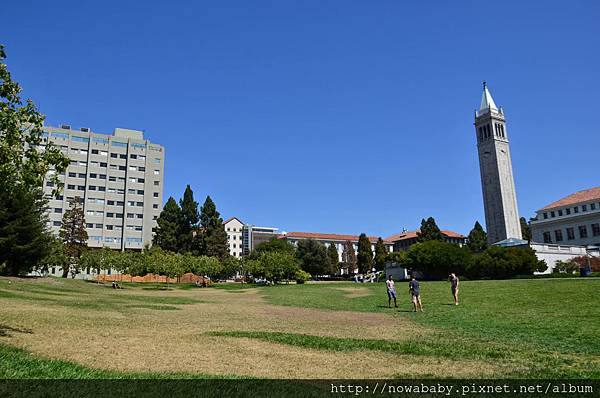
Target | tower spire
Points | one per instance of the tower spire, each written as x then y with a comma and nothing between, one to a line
487,102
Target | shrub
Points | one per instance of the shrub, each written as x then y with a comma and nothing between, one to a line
435,259
505,262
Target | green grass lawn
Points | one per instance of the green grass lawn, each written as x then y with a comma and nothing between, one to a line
543,328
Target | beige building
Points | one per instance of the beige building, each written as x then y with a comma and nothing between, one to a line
119,180
234,228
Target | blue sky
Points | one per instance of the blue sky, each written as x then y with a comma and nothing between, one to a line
326,116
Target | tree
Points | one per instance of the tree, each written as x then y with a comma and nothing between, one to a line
312,256
189,220
275,266
429,231
24,239
56,257
334,259
101,259
213,235
169,226
274,245
365,254
380,255
525,229
435,259
73,234
349,257
505,262
477,239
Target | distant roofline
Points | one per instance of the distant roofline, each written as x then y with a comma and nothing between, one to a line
328,236
583,196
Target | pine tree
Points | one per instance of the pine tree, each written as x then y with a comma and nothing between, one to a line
349,257
334,259
477,239
73,234
212,231
365,254
525,229
313,257
380,255
429,231
189,220
168,226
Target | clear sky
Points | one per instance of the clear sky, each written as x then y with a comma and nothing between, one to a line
326,116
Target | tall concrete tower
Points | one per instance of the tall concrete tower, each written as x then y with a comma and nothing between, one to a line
497,181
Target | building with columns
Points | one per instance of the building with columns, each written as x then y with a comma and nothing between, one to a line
497,181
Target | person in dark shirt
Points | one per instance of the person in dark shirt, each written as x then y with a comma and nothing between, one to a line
454,282
415,293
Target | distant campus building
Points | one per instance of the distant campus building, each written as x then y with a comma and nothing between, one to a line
404,240
243,238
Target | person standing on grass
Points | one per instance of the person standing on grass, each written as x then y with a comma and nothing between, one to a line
454,282
415,293
391,292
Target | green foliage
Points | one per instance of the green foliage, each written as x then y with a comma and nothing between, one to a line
437,259
24,239
477,239
273,266
525,229
505,262
365,254
189,220
429,231
569,267
74,235
100,260
168,230
349,257
213,238
380,255
204,265
302,276
334,259
313,257
400,257
273,245
231,266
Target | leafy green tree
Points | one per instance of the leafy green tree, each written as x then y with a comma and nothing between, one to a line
525,229
477,239
100,259
274,266
365,254
24,239
380,255
231,267
168,228
212,231
429,231
73,234
437,259
274,245
204,265
400,258
56,257
334,259
312,256
189,220
349,257
505,262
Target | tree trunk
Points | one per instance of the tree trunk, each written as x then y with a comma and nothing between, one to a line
65,271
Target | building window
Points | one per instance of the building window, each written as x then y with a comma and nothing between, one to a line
57,210
122,156
552,214
547,237
560,213
596,229
575,209
583,207
79,139
545,216
568,211
72,174
119,144
155,194
583,231
592,206
570,233
155,206
558,235
114,155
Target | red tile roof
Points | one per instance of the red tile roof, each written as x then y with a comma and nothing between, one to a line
316,235
413,234
578,197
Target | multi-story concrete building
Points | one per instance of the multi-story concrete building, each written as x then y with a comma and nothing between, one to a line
234,228
497,181
253,236
119,180
572,220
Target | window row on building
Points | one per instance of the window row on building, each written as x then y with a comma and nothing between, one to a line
582,231
571,210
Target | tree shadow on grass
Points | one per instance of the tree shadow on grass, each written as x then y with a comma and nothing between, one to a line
5,330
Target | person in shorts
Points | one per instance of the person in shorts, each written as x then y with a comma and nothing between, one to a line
415,293
391,292
454,282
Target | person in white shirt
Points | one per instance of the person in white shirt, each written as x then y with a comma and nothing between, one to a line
391,291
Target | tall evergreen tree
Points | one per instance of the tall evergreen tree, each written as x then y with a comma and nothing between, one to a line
73,234
365,254
23,168
477,239
168,227
313,257
380,255
189,220
334,259
212,230
525,229
349,257
429,231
